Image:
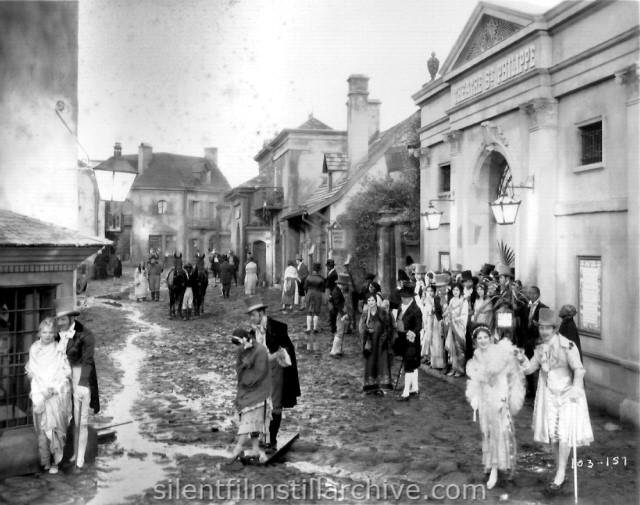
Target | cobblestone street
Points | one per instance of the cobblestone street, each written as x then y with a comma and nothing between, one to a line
182,405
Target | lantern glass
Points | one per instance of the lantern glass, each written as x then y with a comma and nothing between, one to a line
114,185
505,209
432,218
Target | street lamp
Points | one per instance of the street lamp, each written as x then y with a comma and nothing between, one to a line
505,208
433,216
115,178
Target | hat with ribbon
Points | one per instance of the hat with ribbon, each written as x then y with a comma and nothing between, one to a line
254,303
65,306
547,317
420,268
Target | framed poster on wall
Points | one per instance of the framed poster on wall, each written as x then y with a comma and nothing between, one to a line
445,261
590,295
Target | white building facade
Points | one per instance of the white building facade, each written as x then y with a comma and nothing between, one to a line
544,107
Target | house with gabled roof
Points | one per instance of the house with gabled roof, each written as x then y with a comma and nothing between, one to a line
287,176
369,154
176,204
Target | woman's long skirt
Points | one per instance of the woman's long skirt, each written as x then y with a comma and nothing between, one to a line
377,369
436,352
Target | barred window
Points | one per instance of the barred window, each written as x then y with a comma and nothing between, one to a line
591,135
21,310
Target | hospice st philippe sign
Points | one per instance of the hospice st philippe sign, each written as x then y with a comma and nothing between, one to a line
494,75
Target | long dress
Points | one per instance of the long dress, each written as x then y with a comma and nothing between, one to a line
141,284
253,399
48,367
456,344
496,390
250,278
433,338
289,285
377,369
483,311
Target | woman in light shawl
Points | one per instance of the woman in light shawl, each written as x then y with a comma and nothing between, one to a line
49,372
251,277
289,286
496,392
456,313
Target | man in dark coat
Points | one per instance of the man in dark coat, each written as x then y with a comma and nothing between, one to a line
531,333
408,325
330,283
303,273
284,379
226,274
469,294
80,349
235,263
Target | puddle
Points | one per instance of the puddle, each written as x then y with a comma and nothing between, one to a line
144,462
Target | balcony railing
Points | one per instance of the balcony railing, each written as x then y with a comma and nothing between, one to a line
270,199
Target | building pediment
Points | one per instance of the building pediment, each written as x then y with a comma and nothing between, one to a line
488,25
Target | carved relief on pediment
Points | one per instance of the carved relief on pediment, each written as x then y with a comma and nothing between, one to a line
489,32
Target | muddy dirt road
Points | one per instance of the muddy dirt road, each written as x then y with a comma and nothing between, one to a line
175,379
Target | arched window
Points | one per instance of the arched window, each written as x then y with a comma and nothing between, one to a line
162,207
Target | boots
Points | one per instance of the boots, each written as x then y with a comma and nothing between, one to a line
302,305
274,427
308,330
186,315
315,324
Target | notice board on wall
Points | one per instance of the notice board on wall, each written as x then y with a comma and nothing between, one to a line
590,295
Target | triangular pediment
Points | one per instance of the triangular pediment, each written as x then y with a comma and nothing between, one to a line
488,26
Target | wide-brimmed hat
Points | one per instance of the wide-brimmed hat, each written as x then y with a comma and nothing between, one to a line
547,317
65,306
408,290
254,303
504,270
343,279
420,268
370,277
316,267
442,279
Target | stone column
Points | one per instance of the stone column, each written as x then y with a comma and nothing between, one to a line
386,251
536,252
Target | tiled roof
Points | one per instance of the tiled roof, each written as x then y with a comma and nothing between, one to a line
258,180
313,124
335,161
18,230
401,134
168,170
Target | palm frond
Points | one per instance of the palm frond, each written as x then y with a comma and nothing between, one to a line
506,256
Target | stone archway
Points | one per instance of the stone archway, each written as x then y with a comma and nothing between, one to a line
491,174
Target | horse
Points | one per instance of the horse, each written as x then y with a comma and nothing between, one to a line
202,275
176,282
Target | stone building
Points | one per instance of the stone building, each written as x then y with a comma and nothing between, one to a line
543,107
287,176
176,204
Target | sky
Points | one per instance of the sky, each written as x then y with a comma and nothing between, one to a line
183,75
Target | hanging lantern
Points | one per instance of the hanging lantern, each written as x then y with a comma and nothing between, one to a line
432,217
505,209
115,177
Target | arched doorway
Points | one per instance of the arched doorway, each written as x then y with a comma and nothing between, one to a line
493,175
259,249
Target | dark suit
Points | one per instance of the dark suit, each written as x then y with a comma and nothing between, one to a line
330,283
411,320
80,351
531,336
226,274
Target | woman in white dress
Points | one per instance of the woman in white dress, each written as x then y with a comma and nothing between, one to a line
250,277
141,282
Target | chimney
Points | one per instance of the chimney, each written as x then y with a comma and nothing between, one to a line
145,155
211,154
117,150
363,119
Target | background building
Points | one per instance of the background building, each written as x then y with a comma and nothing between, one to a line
175,205
548,101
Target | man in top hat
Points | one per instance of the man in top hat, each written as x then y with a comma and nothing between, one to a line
560,413
394,298
441,299
338,302
408,324
469,294
226,271
421,283
330,283
303,273
529,334
284,380
80,346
